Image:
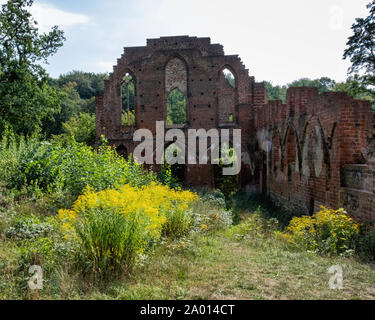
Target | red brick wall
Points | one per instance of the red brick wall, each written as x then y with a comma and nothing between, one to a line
315,137
194,66
318,141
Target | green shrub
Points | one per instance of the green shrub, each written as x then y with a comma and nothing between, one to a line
178,224
28,228
255,227
166,177
365,243
13,149
50,167
80,128
210,213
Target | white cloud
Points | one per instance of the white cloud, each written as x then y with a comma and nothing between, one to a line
105,66
277,40
49,16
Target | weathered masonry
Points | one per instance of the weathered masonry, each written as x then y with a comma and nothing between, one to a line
313,150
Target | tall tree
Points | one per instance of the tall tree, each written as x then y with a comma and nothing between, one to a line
26,99
323,84
361,48
88,84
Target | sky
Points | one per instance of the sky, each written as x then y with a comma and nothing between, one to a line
278,41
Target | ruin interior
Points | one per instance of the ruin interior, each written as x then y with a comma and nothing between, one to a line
323,145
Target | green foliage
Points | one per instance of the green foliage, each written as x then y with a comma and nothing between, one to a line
179,223
125,118
277,92
227,184
360,48
21,44
109,242
166,177
365,243
328,231
128,83
26,103
28,228
50,167
356,88
256,227
23,84
80,129
176,108
13,150
210,212
88,84
323,84
72,105
243,202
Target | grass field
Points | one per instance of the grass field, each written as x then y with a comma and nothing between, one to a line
218,265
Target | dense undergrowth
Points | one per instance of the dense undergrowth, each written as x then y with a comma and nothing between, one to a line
91,219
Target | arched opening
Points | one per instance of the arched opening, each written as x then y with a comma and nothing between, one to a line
227,97
228,75
228,185
178,170
128,100
176,92
176,108
291,154
122,151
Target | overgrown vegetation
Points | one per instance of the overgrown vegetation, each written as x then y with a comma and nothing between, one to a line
101,226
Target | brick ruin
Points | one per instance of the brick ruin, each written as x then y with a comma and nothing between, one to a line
317,149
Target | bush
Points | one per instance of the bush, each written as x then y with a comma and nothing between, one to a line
328,231
13,149
113,227
256,227
36,242
50,167
28,228
210,212
365,243
80,128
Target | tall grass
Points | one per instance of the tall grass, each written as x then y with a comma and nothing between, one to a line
108,243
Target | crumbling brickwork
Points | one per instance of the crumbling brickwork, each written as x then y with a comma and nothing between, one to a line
195,67
314,150
322,152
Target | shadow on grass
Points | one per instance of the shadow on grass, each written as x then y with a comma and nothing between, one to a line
243,203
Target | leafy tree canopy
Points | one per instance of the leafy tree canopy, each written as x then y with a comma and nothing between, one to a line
361,48
88,84
26,99
277,92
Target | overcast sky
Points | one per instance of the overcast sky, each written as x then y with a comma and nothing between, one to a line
279,41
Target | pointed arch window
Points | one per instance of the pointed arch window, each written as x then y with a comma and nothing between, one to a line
176,92
128,100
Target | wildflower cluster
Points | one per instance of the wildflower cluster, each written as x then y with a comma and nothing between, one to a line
115,226
154,203
329,231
